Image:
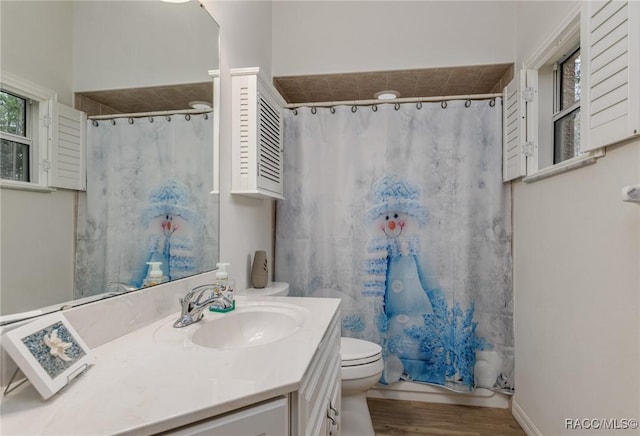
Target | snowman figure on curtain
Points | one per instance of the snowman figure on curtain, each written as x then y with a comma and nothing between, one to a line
403,290
170,221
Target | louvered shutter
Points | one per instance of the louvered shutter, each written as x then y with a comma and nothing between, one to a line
610,52
257,155
68,151
520,113
269,145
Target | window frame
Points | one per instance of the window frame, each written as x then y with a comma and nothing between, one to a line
41,102
560,113
27,139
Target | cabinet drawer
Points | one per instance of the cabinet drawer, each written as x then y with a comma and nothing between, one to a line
267,419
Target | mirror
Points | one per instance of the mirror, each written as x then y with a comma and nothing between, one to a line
103,57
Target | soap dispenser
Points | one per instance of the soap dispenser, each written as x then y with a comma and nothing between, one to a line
224,287
155,275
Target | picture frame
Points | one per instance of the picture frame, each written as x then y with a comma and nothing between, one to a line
49,352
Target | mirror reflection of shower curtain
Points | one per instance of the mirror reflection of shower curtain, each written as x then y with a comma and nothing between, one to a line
403,215
148,199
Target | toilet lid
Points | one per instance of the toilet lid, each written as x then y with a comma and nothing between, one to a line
358,352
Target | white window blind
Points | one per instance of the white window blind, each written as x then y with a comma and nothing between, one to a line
520,125
611,75
68,151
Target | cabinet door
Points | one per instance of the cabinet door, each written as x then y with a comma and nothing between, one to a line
334,417
311,402
267,419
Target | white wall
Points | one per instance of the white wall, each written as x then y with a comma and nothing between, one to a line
42,55
535,20
317,37
246,224
129,44
37,228
577,283
576,280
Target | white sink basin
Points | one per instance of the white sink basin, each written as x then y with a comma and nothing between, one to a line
249,325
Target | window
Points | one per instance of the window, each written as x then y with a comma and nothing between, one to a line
566,111
547,102
41,140
578,93
25,111
15,135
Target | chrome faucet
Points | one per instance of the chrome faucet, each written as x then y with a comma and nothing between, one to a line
196,300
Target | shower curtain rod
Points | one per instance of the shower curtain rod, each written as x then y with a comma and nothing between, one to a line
151,114
396,100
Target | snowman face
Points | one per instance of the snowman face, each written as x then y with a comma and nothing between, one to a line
392,223
168,226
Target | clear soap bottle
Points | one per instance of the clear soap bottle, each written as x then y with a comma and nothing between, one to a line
224,287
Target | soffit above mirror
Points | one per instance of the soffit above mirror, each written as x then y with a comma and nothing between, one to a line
415,83
146,99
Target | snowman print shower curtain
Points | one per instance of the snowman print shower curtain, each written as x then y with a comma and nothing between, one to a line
401,212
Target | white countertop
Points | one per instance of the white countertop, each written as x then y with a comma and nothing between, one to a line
146,385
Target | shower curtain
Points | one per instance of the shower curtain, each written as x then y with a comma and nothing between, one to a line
147,200
400,211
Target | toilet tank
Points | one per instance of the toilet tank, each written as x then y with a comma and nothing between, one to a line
273,289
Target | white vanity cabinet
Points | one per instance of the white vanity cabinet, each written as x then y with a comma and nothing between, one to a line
315,407
155,384
314,410
270,418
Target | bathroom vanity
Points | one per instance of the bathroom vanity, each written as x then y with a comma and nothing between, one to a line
156,379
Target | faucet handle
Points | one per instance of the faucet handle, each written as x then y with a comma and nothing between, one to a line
194,295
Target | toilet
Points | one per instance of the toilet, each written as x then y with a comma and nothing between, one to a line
361,369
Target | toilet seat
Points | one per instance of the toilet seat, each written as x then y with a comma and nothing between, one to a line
357,352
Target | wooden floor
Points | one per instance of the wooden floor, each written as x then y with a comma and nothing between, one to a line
394,417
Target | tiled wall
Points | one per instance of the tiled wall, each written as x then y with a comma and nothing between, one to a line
92,107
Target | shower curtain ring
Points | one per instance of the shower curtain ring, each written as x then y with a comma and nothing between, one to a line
187,117
492,102
332,110
354,108
314,110
130,120
205,116
151,119
113,122
419,105
443,104
396,106
168,117
374,108
295,111
95,123
467,103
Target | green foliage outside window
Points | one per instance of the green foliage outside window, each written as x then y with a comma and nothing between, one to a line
14,155
13,114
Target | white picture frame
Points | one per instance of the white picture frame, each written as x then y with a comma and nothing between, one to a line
49,352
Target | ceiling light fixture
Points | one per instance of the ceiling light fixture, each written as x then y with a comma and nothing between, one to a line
200,105
175,1
387,94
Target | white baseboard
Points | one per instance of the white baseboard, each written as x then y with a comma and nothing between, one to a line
525,422
433,394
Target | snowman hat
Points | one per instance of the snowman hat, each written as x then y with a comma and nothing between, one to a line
390,194
169,199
